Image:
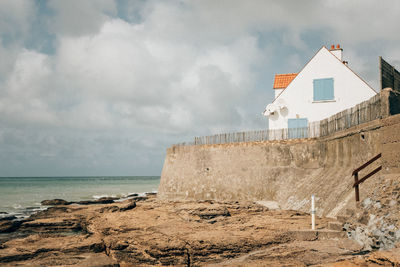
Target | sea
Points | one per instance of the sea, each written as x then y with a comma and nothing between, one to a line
21,196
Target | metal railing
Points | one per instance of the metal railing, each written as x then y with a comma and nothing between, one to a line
357,182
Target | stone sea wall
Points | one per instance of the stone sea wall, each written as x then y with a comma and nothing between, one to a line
286,171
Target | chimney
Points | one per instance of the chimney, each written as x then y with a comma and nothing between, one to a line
337,52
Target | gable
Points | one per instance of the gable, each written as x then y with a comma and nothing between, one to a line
324,65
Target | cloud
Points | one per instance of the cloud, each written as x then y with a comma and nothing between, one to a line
23,94
15,18
128,78
125,77
75,17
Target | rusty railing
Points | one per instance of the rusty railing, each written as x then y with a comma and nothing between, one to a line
356,171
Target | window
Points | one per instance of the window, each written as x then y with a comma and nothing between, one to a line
323,89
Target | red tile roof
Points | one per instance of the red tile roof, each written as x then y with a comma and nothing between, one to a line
283,80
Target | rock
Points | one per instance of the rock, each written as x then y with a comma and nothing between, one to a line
109,209
132,195
139,198
3,212
8,218
175,233
211,213
49,212
378,205
9,226
129,206
119,245
366,202
103,200
55,202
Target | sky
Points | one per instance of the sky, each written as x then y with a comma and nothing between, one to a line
102,87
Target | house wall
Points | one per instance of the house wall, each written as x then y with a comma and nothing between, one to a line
277,92
349,90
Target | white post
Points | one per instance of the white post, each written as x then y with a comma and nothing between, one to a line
312,212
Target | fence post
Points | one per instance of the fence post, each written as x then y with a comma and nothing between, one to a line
356,187
312,212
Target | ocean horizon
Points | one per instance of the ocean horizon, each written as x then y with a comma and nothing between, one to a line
21,196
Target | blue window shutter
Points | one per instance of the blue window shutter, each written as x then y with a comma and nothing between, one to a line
317,90
323,89
329,93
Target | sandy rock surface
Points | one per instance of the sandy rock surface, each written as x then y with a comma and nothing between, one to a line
143,232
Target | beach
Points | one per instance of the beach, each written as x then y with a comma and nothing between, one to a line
145,231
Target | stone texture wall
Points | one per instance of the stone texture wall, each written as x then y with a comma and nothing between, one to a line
287,172
390,139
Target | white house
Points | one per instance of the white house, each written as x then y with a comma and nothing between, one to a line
325,86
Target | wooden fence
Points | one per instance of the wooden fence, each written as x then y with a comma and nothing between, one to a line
364,112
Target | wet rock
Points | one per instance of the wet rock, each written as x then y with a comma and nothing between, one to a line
129,206
103,200
3,212
8,218
55,202
132,195
9,226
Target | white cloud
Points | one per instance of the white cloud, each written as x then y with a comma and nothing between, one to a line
155,82
24,92
173,70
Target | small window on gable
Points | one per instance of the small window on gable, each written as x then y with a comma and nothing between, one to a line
323,89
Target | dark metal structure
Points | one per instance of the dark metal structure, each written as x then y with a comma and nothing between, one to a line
356,171
390,77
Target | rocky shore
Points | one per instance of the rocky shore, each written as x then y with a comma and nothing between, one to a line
143,231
